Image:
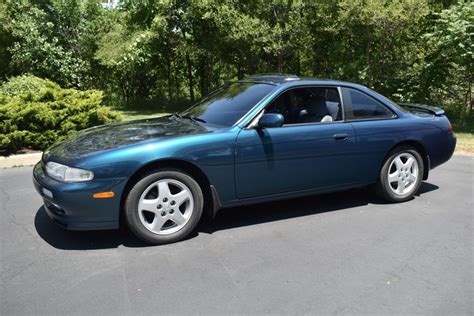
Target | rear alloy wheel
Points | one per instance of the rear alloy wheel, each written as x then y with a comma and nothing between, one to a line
401,175
164,206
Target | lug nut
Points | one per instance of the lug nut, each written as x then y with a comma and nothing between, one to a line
163,213
172,202
171,211
165,200
159,206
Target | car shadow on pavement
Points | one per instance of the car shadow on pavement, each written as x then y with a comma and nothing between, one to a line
241,216
286,209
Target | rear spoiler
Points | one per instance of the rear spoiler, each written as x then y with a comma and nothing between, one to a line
423,107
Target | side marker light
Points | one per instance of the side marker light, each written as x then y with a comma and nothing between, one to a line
104,195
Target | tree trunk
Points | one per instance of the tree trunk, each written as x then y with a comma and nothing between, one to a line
298,64
170,90
280,62
190,77
470,102
189,67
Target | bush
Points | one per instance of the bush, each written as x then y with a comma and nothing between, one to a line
461,118
35,113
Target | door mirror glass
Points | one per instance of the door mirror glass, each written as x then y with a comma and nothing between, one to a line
271,120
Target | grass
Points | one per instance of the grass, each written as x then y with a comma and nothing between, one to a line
465,143
138,114
147,108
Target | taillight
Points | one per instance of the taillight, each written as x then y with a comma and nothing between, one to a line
450,127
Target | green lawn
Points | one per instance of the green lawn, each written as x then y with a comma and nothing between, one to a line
465,143
128,115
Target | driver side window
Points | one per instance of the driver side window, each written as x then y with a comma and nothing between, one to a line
308,105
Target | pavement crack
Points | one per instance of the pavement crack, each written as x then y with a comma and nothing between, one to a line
13,219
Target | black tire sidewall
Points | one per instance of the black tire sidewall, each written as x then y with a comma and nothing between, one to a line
133,197
384,187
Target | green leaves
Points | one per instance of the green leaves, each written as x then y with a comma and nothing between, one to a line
35,113
145,51
56,41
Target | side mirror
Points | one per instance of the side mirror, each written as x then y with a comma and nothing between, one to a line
271,120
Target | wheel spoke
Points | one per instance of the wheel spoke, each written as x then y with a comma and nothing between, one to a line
393,177
148,205
409,163
178,218
157,223
163,189
411,178
401,186
399,163
181,197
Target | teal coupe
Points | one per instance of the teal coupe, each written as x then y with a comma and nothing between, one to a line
259,139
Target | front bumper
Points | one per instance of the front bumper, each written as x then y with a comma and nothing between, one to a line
72,206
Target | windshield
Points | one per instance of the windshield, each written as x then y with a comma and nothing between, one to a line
229,103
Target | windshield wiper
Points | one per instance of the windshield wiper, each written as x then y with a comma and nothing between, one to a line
192,118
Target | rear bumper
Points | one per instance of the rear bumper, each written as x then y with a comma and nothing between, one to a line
445,146
72,206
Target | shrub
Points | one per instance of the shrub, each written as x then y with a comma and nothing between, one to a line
35,113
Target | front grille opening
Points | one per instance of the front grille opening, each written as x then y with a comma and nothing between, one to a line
54,208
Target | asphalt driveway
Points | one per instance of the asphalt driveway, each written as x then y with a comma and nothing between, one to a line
343,253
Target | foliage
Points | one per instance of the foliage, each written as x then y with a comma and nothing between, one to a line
35,113
450,63
54,39
163,53
25,84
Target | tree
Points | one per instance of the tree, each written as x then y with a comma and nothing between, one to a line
450,62
54,39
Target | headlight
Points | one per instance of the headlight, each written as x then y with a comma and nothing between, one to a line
67,174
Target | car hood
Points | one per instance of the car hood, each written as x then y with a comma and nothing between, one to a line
107,137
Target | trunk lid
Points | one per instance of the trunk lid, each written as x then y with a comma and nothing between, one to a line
422,109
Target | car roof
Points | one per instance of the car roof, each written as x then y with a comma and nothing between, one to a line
294,80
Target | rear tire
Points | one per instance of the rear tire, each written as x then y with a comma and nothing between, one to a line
164,206
401,175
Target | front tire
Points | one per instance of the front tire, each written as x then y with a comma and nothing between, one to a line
401,175
164,206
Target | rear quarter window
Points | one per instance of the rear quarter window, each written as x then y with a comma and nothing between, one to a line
359,105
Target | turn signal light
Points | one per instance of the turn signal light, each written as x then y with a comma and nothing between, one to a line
104,195
450,128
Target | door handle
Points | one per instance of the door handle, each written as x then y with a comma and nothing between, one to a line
340,137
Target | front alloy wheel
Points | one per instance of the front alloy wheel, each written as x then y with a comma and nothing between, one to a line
164,206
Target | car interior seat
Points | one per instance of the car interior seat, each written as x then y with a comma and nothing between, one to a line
333,109
317,111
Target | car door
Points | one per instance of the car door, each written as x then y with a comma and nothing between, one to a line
377,130
294,157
